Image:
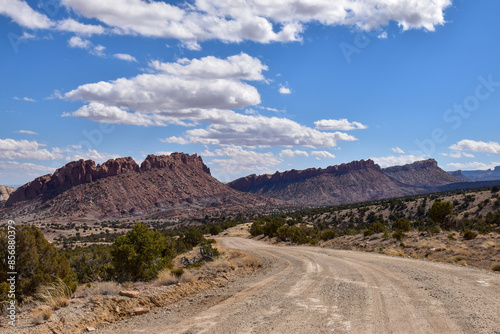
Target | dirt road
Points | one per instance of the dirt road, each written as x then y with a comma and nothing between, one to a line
316,290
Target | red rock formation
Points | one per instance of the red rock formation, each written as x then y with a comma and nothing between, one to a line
346,183
179,185
254,181
86,171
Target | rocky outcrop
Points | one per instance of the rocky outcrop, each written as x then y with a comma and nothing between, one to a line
5,192
86,171
162,187
347,183
168,161
421,173
459,175
252,182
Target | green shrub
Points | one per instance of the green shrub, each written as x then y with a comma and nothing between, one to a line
398,235
38,262
368,232
177,272
256,229
377,227
90,263
207,249
402,224
469,235
139,255
440,212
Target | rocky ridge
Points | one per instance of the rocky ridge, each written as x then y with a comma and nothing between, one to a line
346,183
161,187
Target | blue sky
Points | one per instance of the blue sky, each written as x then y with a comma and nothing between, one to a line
250,86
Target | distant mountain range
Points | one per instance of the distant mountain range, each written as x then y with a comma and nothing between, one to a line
356,181
180,185
478,175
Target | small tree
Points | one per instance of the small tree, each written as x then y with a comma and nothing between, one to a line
440,212
38,262
139,255
402,224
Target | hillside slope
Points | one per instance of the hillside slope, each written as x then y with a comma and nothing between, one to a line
346,183
162,186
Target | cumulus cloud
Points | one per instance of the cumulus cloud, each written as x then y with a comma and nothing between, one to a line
473,165
398,150
476,146
25,167
21,13
235,21
124,56
284,90
98,157
111,114
24,149
181,89
397,160
323,154
230,21
239,159
382,35
338,124
78,42
73,26
288,153
252,130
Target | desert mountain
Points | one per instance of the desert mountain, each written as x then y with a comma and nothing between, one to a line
161,187
481,175
346,183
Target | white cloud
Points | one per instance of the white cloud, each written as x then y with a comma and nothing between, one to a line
163,153
124,56
187,89
285,90
338,124
78,42
24,149
27,99
383,35
237,67
249,130
73,26
28,132
98,157
21,13
397,160
476,146
25,167
398,150
288,153
323,154
27,35
235,21
241,159
473,165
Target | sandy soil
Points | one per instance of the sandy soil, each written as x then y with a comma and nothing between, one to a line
318,290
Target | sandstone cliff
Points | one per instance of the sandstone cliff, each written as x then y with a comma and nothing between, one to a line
346,183
162,186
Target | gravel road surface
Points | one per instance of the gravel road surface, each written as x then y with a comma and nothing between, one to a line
317,290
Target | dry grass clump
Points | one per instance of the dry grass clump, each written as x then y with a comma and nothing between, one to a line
55,294
103,289
41,314
241,259
496,267
188,277
165,277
